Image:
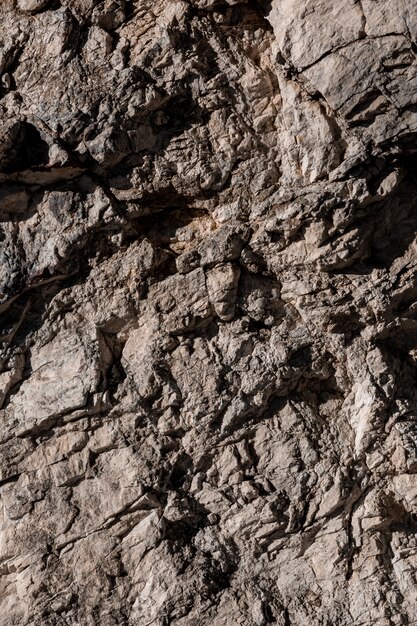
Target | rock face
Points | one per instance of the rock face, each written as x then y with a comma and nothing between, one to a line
208,297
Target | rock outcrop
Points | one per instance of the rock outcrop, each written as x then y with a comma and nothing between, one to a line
208,297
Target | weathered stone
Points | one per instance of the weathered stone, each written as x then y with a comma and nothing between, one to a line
32,6
208,287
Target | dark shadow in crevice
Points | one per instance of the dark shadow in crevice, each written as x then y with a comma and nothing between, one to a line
30,151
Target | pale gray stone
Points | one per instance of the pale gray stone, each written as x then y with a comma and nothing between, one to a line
208,284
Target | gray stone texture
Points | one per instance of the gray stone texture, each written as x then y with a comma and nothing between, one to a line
208,299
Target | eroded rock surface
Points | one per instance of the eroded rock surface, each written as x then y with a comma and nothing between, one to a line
208,287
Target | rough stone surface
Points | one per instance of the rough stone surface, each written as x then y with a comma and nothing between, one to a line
208,299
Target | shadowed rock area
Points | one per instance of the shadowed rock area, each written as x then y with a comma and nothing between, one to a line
208,313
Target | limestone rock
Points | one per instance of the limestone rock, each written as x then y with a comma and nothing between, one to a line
208,300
